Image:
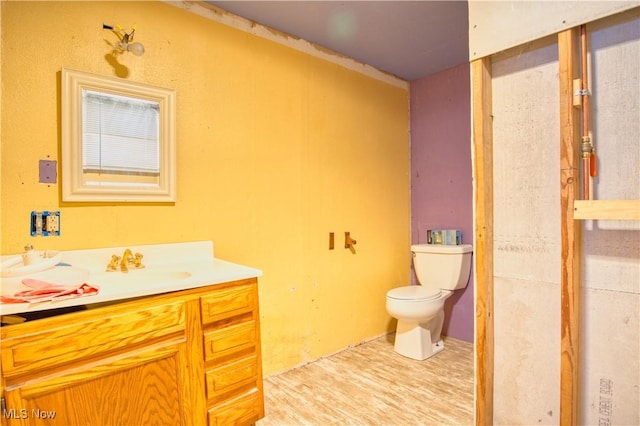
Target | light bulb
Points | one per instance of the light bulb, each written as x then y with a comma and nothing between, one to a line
136,48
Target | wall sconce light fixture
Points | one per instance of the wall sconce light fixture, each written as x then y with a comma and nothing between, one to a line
125,40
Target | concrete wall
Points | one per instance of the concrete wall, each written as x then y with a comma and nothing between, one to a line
527,233
276,148
441,187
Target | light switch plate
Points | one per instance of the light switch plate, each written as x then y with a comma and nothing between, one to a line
48,171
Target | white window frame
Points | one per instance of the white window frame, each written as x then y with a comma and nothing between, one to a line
130,181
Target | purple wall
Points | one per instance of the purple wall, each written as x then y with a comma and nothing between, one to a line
441,179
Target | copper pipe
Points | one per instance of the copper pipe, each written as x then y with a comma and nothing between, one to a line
586,145
585,82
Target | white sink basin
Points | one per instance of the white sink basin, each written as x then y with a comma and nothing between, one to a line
60,275
14,266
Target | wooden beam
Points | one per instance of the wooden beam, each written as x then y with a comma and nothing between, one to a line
607,209
570,230
483,178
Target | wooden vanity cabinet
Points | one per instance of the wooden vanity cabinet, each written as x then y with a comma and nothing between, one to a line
231,355
183,358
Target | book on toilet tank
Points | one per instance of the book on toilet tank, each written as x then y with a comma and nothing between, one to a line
434,236
444,236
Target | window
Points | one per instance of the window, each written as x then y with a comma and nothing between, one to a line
120,135
118,140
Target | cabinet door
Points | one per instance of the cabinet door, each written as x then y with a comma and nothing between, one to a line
230,301
225,342
141,387
232,377
244,410
53,342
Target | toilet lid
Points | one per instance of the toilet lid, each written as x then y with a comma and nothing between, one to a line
414,292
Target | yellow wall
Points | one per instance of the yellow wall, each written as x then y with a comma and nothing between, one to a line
276,148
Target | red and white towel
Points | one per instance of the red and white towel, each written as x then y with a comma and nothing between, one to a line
43,291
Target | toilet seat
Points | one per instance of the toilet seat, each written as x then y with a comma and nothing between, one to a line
414,292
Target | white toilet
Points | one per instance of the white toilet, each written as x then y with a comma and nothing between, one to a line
419,309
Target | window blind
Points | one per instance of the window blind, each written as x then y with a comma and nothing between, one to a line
120,134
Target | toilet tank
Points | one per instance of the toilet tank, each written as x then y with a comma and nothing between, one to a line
442,266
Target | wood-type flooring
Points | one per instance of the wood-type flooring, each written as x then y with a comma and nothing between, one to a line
370,384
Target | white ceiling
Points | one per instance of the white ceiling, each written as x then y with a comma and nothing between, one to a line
409,39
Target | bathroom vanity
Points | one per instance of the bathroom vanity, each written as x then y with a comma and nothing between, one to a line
183,352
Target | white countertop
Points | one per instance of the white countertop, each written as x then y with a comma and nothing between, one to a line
168,267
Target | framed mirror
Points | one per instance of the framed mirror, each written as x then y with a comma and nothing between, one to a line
118,140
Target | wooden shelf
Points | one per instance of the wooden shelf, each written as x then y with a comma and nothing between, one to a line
606,209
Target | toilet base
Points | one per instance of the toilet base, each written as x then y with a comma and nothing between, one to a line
413,340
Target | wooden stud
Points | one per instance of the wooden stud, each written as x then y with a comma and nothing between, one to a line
483,178
607,209
570,229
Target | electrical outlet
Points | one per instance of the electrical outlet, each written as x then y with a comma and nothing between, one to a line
51,223
45,223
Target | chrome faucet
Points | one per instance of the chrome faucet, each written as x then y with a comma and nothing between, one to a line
128,260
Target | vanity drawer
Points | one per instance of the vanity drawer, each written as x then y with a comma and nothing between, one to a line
231,376
245,409
226,341
227,303
82,335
